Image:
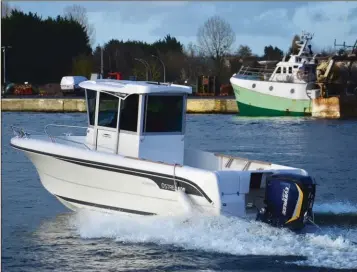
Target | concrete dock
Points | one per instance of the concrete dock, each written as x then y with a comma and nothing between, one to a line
324,108
194,105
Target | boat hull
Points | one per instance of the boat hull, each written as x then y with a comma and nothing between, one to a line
112,183
79,183
277,102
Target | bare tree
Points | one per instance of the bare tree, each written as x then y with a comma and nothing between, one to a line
190,50
294,48
5,9
215,39
244,51
79,14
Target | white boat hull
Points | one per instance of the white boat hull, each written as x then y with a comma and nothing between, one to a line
213,184
78,183
80,186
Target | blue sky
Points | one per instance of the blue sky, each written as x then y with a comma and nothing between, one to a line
256,24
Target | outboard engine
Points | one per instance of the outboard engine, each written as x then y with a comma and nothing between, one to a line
288,200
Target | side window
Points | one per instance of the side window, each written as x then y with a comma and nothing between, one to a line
290,70
284,70
278,71
91,104
163,113
129,113
108,110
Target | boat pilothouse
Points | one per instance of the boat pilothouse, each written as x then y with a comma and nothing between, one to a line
300,68
145,120
132,159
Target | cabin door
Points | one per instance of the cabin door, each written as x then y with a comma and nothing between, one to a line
107,140
107,123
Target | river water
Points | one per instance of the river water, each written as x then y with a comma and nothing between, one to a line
39,234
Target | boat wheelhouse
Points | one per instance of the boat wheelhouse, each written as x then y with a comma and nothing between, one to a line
137,119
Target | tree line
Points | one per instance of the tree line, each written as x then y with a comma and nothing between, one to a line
45,50
42,50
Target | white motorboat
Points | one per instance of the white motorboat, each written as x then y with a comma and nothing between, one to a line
131,159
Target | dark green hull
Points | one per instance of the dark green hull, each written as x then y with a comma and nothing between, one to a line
249,110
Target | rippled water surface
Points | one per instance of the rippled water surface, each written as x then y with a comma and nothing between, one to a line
39,234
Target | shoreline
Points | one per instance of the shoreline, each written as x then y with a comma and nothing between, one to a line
207,105
322,108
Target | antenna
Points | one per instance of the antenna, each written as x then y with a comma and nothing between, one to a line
305,38
344,45
101,62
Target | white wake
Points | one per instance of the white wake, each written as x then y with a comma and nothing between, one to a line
221,234
336,208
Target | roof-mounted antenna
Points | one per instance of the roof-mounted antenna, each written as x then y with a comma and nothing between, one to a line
344,45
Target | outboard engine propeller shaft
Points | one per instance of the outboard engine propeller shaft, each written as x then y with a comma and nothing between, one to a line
289,199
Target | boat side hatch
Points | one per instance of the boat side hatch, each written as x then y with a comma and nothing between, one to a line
103,119
107,123
255,180
257,185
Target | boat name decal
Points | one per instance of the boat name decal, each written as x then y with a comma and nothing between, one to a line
171,187
284,198
167,186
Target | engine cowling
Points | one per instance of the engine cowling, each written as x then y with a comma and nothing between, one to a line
289,199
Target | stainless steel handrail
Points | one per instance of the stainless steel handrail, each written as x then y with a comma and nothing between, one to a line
55,125
59,137
20,132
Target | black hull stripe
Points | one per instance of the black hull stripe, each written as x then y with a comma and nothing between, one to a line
104,206
192,188
158,179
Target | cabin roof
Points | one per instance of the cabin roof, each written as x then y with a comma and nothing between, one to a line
133,87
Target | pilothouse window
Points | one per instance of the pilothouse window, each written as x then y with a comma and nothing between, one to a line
163,113
108,110
129,113
91,104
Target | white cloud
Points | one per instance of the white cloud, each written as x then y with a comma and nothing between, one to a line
171,4
110,26
328,20
336,24
256,24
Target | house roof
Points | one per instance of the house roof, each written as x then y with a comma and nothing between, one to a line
128,87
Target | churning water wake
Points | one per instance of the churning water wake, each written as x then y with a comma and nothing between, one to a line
336,208
327,247
336,214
